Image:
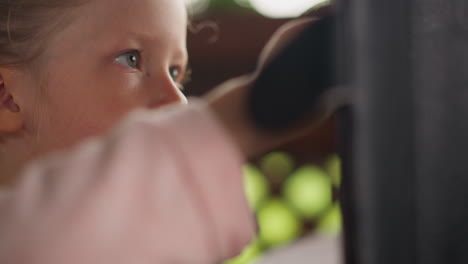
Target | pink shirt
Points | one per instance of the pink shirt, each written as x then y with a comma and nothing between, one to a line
163,187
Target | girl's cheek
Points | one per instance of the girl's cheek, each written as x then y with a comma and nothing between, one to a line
129,88
120,82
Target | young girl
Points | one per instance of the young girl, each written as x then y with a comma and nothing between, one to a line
161,186
72,68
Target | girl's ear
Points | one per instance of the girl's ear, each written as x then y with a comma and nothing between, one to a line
11,116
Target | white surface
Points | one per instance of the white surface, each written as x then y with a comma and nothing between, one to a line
283,8
310,250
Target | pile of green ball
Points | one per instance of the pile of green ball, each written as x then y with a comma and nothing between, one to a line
290,201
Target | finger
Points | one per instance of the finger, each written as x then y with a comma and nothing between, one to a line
282,37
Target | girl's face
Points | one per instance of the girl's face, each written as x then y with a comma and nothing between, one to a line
115,56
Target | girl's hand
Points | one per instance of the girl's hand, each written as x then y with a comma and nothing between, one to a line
162,188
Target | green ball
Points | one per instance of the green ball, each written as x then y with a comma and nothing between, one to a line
277,166
333,165
331,222
309,191
278,223
256,187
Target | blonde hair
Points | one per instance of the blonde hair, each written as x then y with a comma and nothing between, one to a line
26,24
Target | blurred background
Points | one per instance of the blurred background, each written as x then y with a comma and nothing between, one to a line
294,191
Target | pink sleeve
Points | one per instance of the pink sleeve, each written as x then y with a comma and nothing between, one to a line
162,188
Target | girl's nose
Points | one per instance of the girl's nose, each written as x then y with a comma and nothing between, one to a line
165,93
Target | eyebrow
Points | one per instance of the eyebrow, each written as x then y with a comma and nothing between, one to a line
147,37
180,52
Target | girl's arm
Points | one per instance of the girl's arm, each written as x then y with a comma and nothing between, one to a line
229,101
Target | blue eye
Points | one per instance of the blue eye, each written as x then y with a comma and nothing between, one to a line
130,59
175,73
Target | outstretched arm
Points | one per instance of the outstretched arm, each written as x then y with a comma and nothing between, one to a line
230,100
